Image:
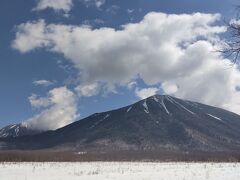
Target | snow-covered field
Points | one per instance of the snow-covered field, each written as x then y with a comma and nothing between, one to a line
119,171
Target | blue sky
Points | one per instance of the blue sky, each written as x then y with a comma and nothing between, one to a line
27,71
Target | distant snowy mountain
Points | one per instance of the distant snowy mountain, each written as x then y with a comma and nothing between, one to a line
16,130
156,123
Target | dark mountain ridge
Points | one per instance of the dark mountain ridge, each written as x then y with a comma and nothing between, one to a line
156,123
16,130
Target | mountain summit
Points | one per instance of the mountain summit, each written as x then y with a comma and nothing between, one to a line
156,123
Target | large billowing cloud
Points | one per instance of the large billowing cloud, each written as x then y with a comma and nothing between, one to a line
57,109
57,5
177,51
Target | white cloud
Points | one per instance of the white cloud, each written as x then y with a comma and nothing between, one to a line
65,5
132,85
43,82
60,109
169,88
130,11
97,3
146,92
30,36
94,22
113,9
39,102
88,90
57,5
176,49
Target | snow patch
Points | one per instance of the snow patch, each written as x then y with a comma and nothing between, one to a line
129,109
5,135
146,107
193,104
173,101
108,115
161,103
164,106
13,126
215,117
169,99
155,99
147,112
101,120
17,131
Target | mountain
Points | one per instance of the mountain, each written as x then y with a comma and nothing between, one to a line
16,130
156,123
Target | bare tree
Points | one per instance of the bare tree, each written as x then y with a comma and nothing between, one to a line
232,44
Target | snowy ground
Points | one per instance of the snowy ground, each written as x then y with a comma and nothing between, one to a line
119,171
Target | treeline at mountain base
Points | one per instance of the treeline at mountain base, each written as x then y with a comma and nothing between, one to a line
143,156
